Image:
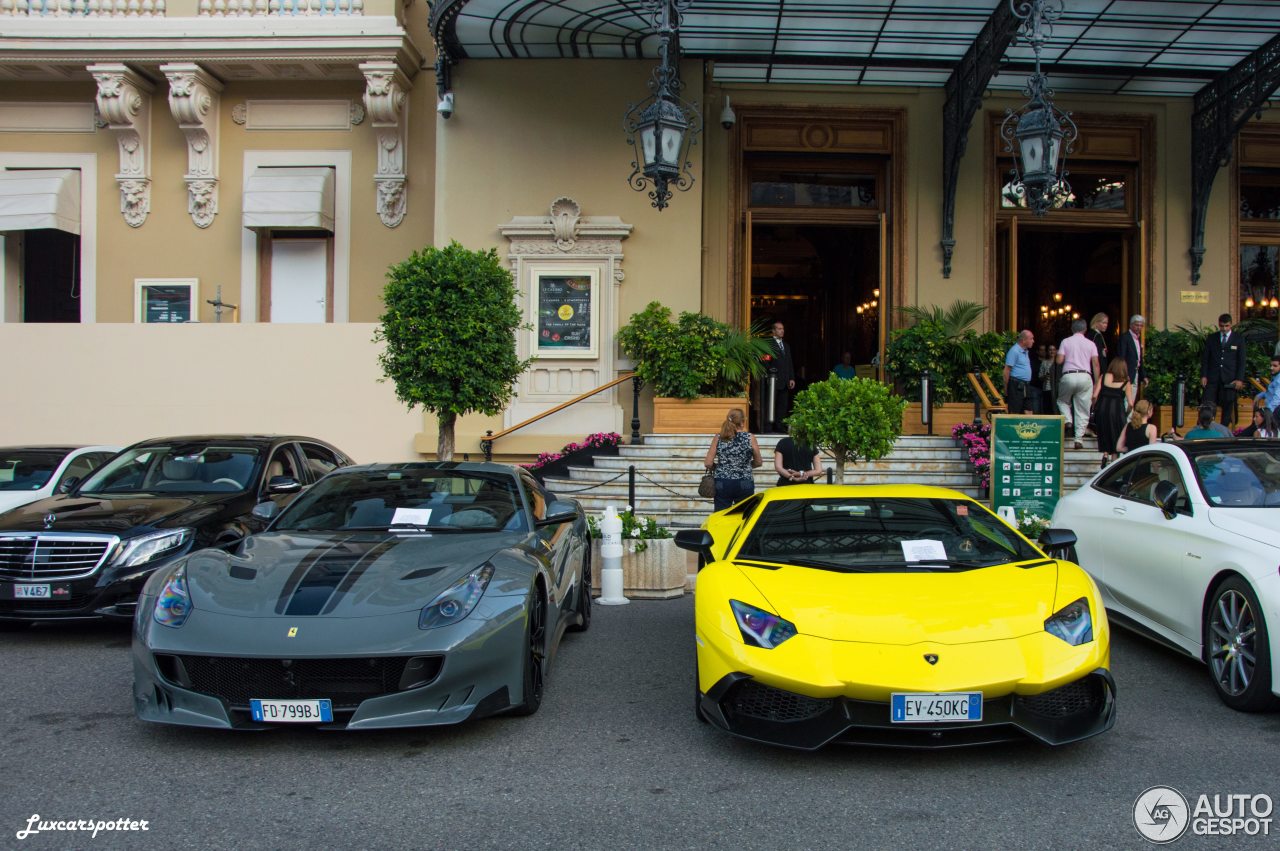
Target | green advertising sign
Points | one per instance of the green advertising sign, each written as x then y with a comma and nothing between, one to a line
1026,463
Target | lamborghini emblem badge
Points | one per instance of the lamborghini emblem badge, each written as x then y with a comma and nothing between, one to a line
931,658
293,633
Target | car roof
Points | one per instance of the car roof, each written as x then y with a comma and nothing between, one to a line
1198,447
40,448
227,438
460,466
883,491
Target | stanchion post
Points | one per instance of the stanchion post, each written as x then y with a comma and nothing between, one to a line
771,399
631,486
636,384
926,401
1179,402
831,475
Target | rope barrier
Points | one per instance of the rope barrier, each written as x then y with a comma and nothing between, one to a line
559,492
640,475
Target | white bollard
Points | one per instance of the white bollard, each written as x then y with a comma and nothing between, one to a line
611,554
1009,514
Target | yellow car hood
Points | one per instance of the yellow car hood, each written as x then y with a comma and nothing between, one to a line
960,607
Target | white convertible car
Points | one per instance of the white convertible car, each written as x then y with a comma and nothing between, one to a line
28,473
1184,541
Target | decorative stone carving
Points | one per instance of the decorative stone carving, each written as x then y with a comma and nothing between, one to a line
240,113
385,91
565,214
357,113
193,100
124,100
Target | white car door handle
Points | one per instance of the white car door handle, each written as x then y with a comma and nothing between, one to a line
1118,510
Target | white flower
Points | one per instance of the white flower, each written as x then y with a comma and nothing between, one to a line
635,533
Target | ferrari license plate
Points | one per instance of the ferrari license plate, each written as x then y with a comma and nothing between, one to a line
292,711
912,708
31,592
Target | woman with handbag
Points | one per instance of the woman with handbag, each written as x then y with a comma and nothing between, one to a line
733,454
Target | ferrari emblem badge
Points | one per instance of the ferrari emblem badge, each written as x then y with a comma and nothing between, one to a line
293,632
931,658
49,520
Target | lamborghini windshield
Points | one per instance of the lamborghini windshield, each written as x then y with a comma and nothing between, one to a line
407,499
890,534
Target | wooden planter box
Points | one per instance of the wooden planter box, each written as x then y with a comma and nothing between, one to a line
944,417
693,416
658,573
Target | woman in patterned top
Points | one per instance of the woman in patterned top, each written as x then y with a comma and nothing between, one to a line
733,453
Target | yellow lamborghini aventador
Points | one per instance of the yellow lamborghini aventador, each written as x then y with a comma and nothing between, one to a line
898,615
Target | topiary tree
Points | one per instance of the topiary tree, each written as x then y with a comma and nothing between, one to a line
850,418
449,328
694,355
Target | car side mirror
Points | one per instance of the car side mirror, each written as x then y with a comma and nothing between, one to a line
283,484
560,511
696,540
1058,543
67,484
265,510
1166,497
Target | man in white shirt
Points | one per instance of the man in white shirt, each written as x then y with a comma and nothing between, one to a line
1080,372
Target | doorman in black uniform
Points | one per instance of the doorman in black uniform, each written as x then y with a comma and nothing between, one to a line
1222,369
784,369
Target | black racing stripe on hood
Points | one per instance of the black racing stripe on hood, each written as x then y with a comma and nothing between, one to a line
324,577
357,571
300,572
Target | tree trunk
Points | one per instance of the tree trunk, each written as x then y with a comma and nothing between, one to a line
840,462
444,443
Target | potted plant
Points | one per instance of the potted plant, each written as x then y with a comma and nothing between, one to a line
850,418
698,367
653,568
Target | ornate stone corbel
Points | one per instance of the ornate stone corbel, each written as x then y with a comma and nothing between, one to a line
124,100
385,91
193,100
565,214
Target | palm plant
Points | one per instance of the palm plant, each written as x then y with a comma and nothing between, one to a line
739,358
953,326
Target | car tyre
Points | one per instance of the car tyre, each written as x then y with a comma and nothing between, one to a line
584,595
1237,647
535,647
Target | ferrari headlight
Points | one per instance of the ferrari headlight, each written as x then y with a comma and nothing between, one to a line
174,602
1073,623
760,628
457,601
149,547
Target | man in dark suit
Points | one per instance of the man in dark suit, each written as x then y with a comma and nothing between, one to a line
784,372
1222,369
1129,347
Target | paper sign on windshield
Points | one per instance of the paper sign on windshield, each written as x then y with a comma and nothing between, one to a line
923,550
411,517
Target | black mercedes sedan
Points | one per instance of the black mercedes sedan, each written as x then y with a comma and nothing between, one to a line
86,554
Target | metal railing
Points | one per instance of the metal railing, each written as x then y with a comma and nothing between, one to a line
486,442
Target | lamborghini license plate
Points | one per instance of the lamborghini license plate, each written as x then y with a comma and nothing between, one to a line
912,708
292,711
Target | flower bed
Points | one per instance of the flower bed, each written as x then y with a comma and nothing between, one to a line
558,463
976,441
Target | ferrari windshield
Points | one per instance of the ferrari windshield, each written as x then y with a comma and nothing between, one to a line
882,534
185,468
1240,477
27,471
408,498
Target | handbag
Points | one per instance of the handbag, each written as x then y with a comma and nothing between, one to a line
707,487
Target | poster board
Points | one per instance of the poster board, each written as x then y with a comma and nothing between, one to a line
566,313
1026,463
166,300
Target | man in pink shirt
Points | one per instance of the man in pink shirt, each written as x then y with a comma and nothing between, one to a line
1080,372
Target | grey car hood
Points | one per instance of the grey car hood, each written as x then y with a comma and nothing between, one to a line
347,575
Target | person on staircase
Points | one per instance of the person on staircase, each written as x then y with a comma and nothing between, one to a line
733,454
1080,375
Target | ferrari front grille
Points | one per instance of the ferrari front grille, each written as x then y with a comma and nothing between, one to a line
756,700
42,557
1082,696
346,682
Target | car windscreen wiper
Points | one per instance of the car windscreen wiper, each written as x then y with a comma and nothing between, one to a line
804,562
944,562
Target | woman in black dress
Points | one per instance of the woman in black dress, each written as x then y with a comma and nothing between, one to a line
1139,431
1109,412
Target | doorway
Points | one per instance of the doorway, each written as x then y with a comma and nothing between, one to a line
823,282
1051,276
50,276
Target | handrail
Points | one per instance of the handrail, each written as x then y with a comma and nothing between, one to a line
486,442
981,400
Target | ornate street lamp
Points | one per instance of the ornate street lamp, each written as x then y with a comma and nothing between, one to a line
1043,133
664,126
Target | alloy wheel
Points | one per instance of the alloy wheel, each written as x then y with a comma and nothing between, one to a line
1233,631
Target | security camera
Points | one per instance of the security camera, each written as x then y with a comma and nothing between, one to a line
445,106
727,115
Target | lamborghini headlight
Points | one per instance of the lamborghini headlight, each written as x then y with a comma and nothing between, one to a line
1073,623
173,604
760,628
149,547
457,601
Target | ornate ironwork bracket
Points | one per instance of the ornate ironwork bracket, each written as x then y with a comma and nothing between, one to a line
964,91
1222,107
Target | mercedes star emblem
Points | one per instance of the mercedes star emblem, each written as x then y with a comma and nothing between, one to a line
49,520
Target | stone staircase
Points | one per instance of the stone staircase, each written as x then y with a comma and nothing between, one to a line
669,466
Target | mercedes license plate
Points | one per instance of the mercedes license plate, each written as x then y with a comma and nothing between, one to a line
913,708
31,592
292,711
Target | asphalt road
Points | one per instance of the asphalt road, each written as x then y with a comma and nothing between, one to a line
614,759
